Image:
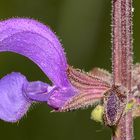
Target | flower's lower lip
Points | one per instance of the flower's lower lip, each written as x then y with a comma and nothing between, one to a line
13,104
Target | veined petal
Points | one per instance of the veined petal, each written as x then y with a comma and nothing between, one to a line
37,42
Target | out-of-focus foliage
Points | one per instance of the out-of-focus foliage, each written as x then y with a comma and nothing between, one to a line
84,29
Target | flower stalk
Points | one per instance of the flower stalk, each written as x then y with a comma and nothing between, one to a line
122,60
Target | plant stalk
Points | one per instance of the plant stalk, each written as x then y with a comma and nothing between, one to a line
122,59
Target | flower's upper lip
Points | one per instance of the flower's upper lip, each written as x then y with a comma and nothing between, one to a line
37,42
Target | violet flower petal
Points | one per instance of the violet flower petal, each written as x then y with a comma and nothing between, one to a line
53,95
13,104
59,97
38,91
37,42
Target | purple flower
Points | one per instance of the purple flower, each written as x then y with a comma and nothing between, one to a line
70,88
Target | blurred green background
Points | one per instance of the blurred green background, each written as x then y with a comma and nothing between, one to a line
84,29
